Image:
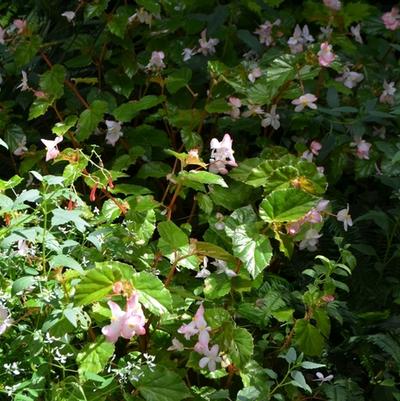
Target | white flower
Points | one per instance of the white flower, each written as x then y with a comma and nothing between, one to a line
221,155
211,358
188,53
387,95
235,104
52,147
5,320
322,379
310,240
156,61
176,345
254,74
253,110
21,147
333,4
265,32
300,38
69,15
355,31
344,216
24,82
23,248
142,16
350,79
113,132
207,46
306,100
2,34
222,267
271,119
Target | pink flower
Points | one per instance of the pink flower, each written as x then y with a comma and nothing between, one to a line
315,147
333,4
188,53
344,216
176,345
51,147
127,323
265,32
2,34
310,240
363,148
156,61
254,74
207,46
325,55
313,217
113,132
350,79
387,95
211,358
328,298
20,24
300,38
391,19
235,104
307,100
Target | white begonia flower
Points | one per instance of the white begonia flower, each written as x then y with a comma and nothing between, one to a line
307,100
254,74
271,119
222,268
207,46
300,38
176,345
113,132
253,110
350,79
188,53
265,32
344,216
69,15
221,155
322,379
355,31
52,147
387,95
5,320
142,16
24,82
310,240
211,358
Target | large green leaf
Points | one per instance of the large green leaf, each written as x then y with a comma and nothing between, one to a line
286,205
171,234
308,338
52,81
152,293
127,111
202,177
94,357
90,118
239,344
161,384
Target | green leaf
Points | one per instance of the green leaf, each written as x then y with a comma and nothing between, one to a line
90,118
241,347
248,394
38,108
22,284
26,50
161,384
52,81
63,127
202,177
178,80
300,381
65,261
213,251
94,357
312,365
119,22
286,205
308,338
127,111
11,183
153,169
150,5
152,293
216,286
171,234
252,248
63,216
217,106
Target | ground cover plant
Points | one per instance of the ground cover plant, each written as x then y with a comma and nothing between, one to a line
199,200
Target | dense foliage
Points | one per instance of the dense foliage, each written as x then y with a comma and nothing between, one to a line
199,200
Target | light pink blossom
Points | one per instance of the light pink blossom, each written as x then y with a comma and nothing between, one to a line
355,31
315,147
20,24
207,46
334,5
188,53
344,216
235,104
322,379
254,74
176,345
156,61
325,56
221,155
310,240
211,358
363,148
387,95
264,32
113,132
126,323
350,79
391,19
299,38
307,100
51,147
271,119
2,34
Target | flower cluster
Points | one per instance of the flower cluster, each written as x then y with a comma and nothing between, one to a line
391,19
299,39
126,323
264,31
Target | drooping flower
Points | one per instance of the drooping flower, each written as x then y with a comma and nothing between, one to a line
334,5
176,345
204,272
21,147
113,132
307,100
24,82
211,358
156,61
350,79
188,53
391,19
254,74
221,155
271,119
325,56
5,319
310,240
51,147
344,216
207,46
20,24
69,15
265,32
355,31
387,95
126,323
